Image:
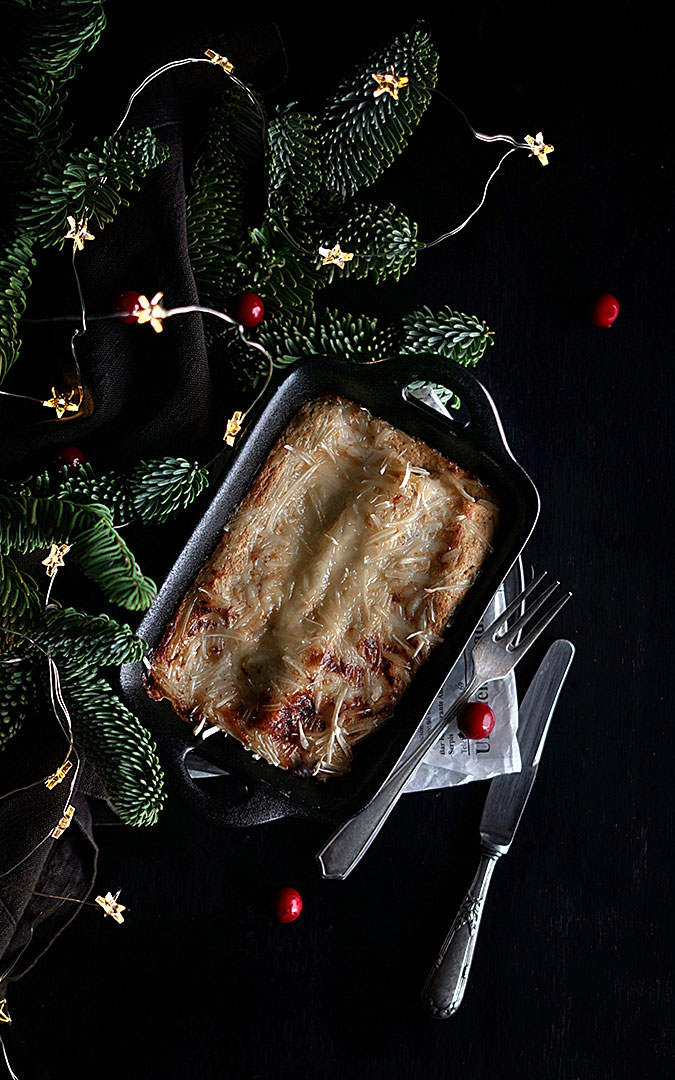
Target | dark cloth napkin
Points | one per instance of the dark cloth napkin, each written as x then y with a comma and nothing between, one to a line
148,394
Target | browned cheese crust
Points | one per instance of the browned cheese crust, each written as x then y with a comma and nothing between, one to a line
332,581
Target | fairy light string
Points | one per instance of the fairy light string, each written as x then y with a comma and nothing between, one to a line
154,313
53,562
108,903
389,84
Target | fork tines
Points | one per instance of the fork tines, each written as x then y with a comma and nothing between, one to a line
510,633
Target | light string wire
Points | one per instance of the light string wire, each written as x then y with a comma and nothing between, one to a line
216,60
420,87
181,63
330,257
62,714
80,331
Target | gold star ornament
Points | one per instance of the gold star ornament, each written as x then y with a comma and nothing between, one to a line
4,1015
233,427
221,61
538,148
335,257
389,83
79,232
65,821
53,561
152,312
63,770
111,907
63,403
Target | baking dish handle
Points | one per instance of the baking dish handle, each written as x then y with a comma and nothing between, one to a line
258,805
484,427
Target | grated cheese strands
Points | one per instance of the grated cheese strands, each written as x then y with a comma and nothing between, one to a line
327,590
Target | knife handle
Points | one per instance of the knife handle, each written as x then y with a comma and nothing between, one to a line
445,986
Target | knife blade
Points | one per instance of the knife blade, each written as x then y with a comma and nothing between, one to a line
503,810
508,794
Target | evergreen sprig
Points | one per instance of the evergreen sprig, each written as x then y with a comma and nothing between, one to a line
159,489
361,135
459,337
20,598
215,221
80,638
294,166
31,523
282,269
151,492
314,168
382,239
90,184
20,692
50,43
343,337
452,334
16,263
118,746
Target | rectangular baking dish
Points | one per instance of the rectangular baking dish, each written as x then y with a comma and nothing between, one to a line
478,445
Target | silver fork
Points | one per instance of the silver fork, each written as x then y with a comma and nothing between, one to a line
494,655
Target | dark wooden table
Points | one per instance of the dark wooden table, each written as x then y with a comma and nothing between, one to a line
571,978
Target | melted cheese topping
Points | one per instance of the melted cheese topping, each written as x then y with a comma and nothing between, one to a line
331,583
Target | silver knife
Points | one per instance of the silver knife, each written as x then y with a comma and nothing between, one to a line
444,988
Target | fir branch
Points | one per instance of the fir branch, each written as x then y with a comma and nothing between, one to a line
51,37
158,489
89,184
216,227
118,746
59,30
20,600
82,485
215,214
21,694
242,123
151,493
283,273
94,640
30,523
459,337
105,558
383,240
361,135
344,337
294,167
16,263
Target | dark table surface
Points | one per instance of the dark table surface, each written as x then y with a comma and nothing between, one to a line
572,976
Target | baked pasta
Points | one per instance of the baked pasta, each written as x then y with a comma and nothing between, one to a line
331,583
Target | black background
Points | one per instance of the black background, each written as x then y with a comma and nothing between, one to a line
571,977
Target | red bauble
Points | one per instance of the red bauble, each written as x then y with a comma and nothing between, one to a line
476,720
287,904
604,310
247,308
67,455
127,301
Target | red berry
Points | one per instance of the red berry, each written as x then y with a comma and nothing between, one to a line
476,720
248,309
67,455
604,310
287,904
127,301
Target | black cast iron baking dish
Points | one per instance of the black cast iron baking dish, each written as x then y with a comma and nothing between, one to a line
478,445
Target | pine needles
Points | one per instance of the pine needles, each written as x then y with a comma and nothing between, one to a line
313,168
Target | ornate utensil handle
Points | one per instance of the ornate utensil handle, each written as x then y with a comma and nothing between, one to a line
445,986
